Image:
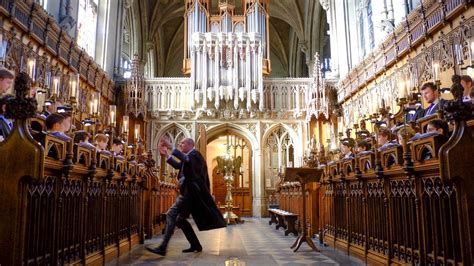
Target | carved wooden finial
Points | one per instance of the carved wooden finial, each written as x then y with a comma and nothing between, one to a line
456,89
22,106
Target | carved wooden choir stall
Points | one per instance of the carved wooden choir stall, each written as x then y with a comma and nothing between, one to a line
396,205
65,203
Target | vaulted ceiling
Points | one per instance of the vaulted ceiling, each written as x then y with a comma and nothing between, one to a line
297,29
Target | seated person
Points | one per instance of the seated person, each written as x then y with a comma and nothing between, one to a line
466,83
383,139
117,147
363,147
57,126
82,137
439,126
49,109
403,131
6,125
347,145
6,80
435,127
101,141
67,122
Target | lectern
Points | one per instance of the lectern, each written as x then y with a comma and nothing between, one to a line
303,176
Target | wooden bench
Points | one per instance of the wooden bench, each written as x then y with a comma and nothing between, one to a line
284,219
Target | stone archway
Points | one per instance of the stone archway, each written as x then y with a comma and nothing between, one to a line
240,146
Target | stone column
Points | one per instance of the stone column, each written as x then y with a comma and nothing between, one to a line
259,197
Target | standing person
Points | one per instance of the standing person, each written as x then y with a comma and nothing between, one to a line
194,197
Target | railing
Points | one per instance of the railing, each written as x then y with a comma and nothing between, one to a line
281,95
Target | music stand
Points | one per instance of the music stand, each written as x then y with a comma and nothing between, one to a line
303,176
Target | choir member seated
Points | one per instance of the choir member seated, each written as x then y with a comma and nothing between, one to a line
363,147
405,131
117,147
466,83
383,139
101,141
6,124
439,126
82,137
6,80
434,128
347,146
57,125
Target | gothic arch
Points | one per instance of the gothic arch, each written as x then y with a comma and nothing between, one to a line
279,148
234,129
166,128
291,132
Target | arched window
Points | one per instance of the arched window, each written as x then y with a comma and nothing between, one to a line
87,25
279,153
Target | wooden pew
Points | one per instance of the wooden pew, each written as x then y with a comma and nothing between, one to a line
284,219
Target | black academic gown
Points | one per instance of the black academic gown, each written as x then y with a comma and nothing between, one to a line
196,187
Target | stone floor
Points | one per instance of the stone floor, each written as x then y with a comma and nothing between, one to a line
251,243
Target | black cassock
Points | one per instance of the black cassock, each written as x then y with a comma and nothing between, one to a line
196,188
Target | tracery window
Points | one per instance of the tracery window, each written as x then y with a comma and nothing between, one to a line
279,153
175,135
87,25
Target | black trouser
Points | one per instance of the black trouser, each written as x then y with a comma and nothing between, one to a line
176,216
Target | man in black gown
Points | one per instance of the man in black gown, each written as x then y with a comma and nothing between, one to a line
194,197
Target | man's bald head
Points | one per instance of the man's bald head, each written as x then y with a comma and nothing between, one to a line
186,145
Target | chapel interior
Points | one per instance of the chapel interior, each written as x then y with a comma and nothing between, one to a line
345,127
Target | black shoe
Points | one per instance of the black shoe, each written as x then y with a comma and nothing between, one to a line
192,249
159,250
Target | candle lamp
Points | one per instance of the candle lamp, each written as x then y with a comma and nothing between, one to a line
137,132
113,113
73,90
3,50
73,85
112,121
124,134
31,68
125,121
55,87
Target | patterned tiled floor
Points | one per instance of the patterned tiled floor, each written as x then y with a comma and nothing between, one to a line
251,243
